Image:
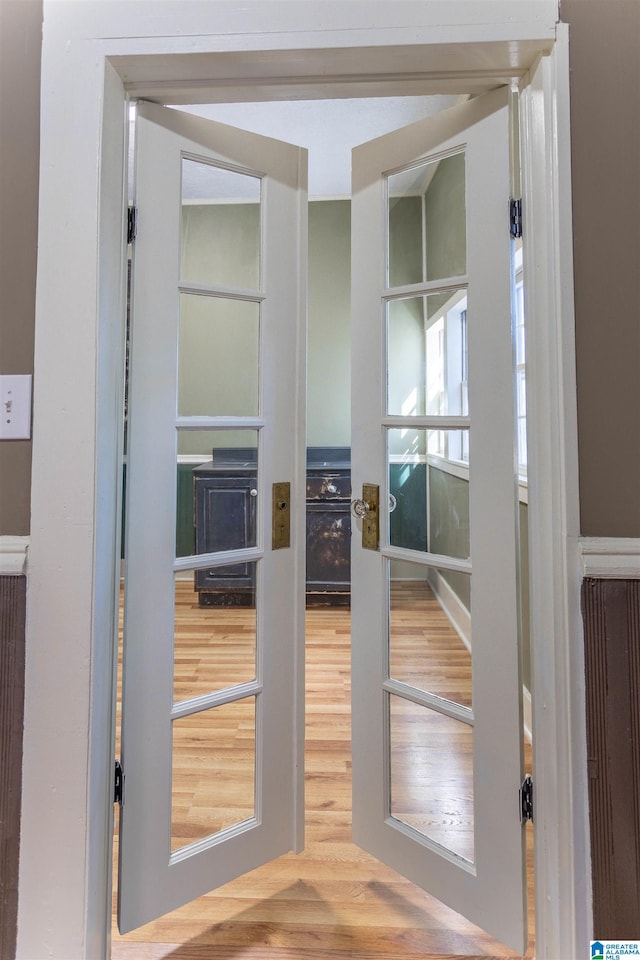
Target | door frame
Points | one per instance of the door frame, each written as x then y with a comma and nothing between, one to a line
93,59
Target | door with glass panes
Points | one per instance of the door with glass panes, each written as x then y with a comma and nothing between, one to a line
212,705
437,733
436,761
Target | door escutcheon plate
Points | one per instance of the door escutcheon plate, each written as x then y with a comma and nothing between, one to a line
280,516
371,519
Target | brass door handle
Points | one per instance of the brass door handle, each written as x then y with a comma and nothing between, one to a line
359,508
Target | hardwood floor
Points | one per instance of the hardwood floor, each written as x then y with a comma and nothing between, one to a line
334,901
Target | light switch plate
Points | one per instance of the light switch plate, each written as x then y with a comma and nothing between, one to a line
15,406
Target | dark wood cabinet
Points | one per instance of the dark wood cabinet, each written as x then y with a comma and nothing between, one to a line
225,495
328,526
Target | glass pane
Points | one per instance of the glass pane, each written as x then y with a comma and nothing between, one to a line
431,767
429,487
430,630
427,355
405,231
217,491
427,222
227,585
213,771
218,357
214,642
220,226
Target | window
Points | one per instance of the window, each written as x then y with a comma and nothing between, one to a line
447,372
447,365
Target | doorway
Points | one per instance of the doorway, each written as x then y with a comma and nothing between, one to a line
342,628
73,576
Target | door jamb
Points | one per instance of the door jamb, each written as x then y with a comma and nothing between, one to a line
563,893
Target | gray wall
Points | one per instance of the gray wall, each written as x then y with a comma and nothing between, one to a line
604,50
20,44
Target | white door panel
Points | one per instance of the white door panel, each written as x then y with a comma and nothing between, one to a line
437,768
255,719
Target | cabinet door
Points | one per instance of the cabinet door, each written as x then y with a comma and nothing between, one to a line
225,519
207,370
328,547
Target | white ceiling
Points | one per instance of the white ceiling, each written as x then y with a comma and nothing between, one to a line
328,128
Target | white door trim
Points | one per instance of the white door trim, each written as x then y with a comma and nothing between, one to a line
610,558
563,894
13,555
75,493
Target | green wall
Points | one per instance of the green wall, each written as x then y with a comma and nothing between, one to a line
218,342
405,241
406,336
329,329
445,225
448,519
445,220
449,526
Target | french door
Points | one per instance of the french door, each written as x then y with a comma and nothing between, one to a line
437,761
212,758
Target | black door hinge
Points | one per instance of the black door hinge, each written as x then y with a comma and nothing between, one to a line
118,783
132,224
526,799
515,218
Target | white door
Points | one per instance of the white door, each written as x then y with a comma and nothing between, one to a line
437,761
212,758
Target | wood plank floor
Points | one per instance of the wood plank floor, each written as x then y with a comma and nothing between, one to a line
334,901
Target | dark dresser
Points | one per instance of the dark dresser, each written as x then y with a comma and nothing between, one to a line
328,526
224,514
225,495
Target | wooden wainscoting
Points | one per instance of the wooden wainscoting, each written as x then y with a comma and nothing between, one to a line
611,612
13,597
334,901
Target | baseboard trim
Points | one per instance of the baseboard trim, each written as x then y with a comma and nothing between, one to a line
610,558
13,555
460,619
453,607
